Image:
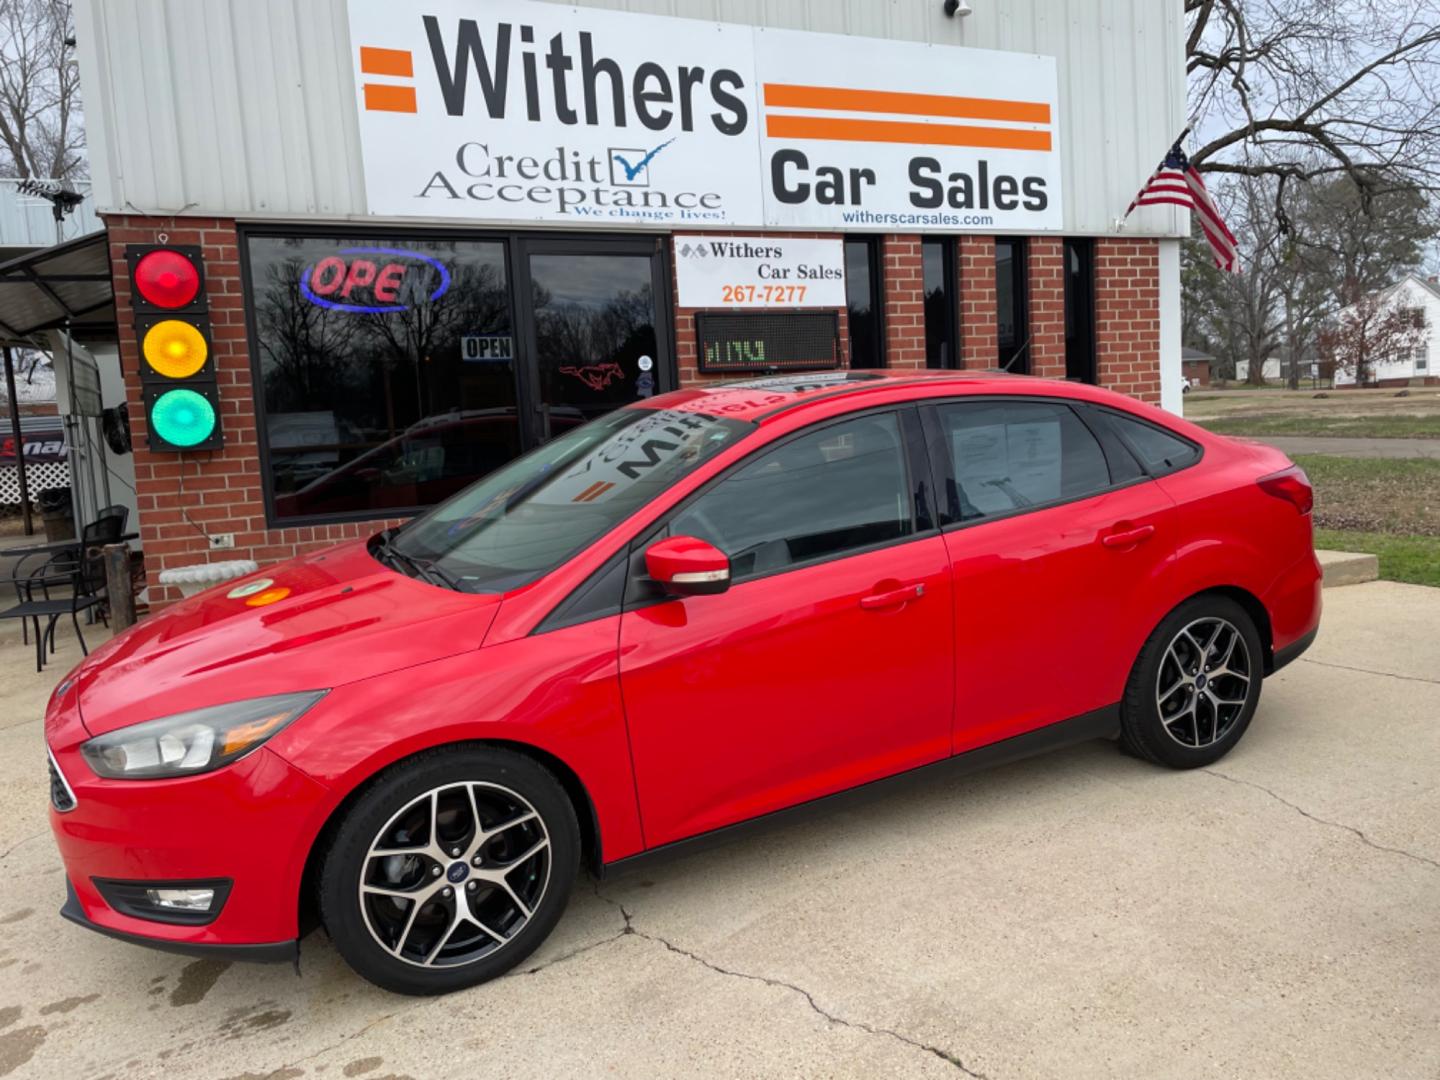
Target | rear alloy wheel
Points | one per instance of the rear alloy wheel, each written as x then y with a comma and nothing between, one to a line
450,870
1195,685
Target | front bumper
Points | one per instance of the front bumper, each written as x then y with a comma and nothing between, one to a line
277,952
252,822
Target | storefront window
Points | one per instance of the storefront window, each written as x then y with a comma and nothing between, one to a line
386,370
865,301
1011,314
941,333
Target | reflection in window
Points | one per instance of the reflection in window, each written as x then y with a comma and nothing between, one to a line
839,489
386,370
941,333
865,302
1011,314
594,321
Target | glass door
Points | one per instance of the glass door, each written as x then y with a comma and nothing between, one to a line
595,318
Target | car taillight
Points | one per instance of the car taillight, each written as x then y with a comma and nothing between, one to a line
1293,486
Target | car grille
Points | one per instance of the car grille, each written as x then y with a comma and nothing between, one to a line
61,797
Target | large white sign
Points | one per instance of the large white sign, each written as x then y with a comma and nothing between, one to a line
759,272
519,111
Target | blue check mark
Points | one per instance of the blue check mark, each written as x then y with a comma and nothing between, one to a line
632,171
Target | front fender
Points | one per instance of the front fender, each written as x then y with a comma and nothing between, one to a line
558,692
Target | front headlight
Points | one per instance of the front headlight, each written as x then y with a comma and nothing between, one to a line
193,742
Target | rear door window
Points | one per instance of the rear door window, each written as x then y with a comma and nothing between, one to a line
1010,456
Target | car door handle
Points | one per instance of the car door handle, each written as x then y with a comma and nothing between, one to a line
893,598
1128,537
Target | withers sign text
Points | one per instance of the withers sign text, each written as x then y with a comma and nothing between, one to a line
519,111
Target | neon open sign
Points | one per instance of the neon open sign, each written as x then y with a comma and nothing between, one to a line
372,280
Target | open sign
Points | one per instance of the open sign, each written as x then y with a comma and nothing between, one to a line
374,280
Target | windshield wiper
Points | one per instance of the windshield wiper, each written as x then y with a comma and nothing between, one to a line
413,567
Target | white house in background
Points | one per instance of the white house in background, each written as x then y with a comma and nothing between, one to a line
1271,370
1421,363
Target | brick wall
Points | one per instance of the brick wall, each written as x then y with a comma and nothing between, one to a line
979,319
903,276
1127,316
217,491
1045,268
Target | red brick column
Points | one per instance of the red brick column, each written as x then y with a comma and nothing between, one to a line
1127,316
904,302
979,340
218,491
1046,272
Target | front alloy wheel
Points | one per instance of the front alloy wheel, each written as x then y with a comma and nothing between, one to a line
450,870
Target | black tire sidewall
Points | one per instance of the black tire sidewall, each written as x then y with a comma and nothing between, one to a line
386,795
1142,729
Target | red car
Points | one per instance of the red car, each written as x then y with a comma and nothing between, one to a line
693,612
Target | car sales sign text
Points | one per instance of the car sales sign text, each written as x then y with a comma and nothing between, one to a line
759,272
519,111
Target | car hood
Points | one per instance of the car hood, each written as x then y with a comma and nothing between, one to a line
344,618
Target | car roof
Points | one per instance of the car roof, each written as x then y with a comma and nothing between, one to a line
759,400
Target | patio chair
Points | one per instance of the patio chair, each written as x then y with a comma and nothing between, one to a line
85,577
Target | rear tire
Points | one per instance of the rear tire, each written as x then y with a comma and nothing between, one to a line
451,869
1194,686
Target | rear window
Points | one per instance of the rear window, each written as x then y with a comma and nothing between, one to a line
1159,451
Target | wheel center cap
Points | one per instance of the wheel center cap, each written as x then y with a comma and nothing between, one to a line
458,872
1200,681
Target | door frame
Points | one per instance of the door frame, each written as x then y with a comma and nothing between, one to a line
520,247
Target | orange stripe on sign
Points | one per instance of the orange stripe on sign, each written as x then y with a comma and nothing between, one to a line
389,98
834,129
779,95
398,62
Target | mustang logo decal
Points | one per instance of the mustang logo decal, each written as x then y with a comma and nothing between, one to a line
595,376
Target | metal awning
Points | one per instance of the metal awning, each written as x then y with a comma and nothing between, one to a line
55,287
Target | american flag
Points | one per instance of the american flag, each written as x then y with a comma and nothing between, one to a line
1177,183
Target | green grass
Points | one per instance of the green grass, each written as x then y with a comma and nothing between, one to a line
1415,559
1358,427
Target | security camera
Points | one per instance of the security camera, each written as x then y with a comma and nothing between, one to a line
957,7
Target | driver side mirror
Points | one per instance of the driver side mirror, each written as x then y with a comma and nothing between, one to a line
687,566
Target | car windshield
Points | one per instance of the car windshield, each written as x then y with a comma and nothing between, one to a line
531,515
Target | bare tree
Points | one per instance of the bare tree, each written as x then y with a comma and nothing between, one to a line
1307,89
1376,328
42,133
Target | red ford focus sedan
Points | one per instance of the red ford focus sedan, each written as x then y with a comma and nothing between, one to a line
697,611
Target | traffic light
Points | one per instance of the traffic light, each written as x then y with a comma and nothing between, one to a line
177,363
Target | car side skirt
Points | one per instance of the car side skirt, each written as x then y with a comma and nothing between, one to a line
1099,724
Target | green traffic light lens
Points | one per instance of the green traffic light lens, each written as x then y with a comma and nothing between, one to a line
182,417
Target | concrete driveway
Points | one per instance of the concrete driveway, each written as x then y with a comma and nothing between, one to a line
1348,447
1077,915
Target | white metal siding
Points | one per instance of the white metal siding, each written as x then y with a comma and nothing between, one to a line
247,107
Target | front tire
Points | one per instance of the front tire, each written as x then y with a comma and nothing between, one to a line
1195,685
450,869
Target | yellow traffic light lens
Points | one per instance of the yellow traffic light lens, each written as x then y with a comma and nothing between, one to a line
175,349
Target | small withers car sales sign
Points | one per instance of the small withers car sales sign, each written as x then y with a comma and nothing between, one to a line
516,111
759,272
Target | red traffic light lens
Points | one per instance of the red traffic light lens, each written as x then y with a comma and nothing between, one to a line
167,279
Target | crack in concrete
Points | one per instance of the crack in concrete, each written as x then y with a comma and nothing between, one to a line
21,843
1370,671
1326,821
831,1018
